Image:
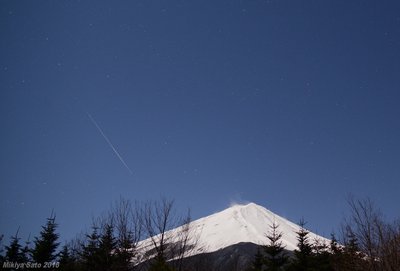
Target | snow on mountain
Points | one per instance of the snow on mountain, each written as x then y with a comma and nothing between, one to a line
244,223
240,223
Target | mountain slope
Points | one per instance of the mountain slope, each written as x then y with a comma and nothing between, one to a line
244,223
239,224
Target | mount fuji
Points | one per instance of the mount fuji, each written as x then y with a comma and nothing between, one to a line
237,232
247,223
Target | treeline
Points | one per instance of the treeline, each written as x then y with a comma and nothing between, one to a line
368,243
113,242
44,248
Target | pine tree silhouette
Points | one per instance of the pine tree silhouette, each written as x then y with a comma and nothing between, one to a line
46,244
90,250
258,262
14,250
276,257
67,261
303,253
106,250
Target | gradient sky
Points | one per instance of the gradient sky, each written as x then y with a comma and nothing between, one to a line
289,104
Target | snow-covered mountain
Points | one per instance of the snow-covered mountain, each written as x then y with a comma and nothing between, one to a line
247,223
244,223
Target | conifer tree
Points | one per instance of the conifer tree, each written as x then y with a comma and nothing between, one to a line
1,249
352,258
321,256
46,244
334,247
335,253
90,250
258,262
26,250
303,253
67,261
100,250
125,251
128,229
106,249
276,257
14,250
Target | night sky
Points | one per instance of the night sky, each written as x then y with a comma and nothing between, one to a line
289,104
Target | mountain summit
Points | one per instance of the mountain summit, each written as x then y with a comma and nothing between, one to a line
247,223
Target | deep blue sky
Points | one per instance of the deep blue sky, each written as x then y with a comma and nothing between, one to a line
290,104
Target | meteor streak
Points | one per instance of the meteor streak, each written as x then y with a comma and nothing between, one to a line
109,143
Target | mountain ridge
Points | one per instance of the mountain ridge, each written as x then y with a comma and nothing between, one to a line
240,223
246,223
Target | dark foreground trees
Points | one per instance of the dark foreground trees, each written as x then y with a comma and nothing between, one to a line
159,218
309,255
367,242
276,257
114,242
14,251
43,253
45,246
370,242
303,255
